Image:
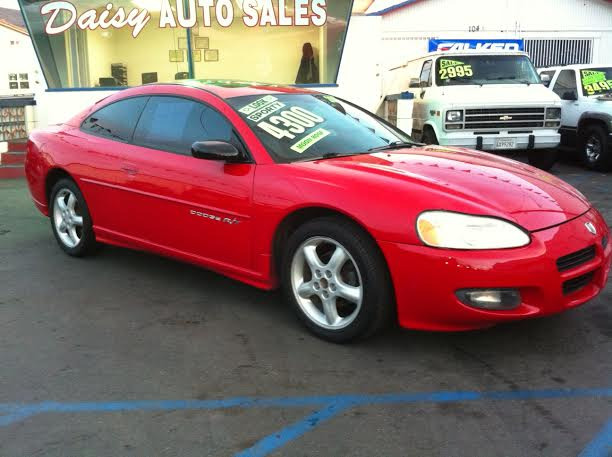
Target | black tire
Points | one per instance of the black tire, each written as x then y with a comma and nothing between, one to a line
87,240
595,148
544,159
377,303
429,136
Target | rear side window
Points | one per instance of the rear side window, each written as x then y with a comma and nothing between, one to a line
566,82
173,124
117,120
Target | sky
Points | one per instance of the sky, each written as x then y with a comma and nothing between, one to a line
9,4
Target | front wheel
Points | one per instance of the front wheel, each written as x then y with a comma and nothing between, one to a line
337,280
544,159
595,148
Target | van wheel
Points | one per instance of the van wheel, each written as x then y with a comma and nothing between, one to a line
595,148
429,136
544,159
336,279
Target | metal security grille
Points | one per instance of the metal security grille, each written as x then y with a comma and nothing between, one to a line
552,53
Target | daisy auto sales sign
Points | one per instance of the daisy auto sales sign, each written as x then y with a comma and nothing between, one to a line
61,15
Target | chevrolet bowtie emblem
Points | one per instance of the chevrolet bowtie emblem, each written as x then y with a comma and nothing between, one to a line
505,118
591,228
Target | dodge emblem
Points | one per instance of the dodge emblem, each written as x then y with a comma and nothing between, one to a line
591,228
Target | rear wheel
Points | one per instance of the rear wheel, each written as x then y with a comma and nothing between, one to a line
595,150
337,281
70,219
543,159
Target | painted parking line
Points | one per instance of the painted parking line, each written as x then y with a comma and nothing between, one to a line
326,407
601,446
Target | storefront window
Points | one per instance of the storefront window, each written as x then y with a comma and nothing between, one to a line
112,57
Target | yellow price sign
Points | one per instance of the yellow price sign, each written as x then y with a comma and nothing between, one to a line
594,82
450,69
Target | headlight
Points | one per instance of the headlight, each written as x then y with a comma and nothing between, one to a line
553,113
454,116
443,229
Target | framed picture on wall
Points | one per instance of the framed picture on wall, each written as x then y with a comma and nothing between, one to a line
176,55
202,42
196,55
211,55
182,42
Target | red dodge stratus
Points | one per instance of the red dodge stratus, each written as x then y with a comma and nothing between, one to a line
278,186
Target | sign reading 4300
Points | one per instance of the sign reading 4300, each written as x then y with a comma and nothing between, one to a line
289,123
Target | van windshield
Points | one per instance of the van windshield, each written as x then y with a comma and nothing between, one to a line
484,69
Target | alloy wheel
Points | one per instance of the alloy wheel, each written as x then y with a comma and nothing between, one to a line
326,283
67,219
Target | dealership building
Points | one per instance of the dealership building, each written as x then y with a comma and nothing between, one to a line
358,44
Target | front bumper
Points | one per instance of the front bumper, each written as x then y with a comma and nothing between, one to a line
538,139
426,279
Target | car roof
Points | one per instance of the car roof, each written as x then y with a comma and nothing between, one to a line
227,88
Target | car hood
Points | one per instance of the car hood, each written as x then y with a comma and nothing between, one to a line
492,185
501,94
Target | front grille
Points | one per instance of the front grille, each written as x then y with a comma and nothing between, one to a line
504,118
576,259
574,285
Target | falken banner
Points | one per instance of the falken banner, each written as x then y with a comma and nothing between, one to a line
479,45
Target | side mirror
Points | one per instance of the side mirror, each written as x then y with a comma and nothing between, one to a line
415,83
215,150
545,78
569,95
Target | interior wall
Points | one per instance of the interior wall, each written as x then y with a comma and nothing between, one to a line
255,54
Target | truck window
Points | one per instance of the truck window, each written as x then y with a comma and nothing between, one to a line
479,70
426,74
566,82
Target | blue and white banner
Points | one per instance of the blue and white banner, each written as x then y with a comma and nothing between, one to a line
482,45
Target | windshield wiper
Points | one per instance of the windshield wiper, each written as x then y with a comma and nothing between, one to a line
394,145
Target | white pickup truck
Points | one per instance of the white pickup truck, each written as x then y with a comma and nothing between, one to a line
486,100
586,121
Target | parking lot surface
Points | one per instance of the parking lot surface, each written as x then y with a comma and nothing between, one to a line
129,354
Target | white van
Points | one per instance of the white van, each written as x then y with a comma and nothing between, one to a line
486,100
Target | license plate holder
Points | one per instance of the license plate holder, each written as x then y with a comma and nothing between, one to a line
505,143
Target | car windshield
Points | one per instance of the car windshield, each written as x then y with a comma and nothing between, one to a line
596,81
299,127
485,69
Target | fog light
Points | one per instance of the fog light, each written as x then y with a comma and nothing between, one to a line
491,299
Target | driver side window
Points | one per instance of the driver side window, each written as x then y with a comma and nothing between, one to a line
426,74
173,124
566,82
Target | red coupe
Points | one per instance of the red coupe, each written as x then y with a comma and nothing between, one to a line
284,187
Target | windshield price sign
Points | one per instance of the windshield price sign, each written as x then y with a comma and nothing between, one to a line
594,81
454,69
